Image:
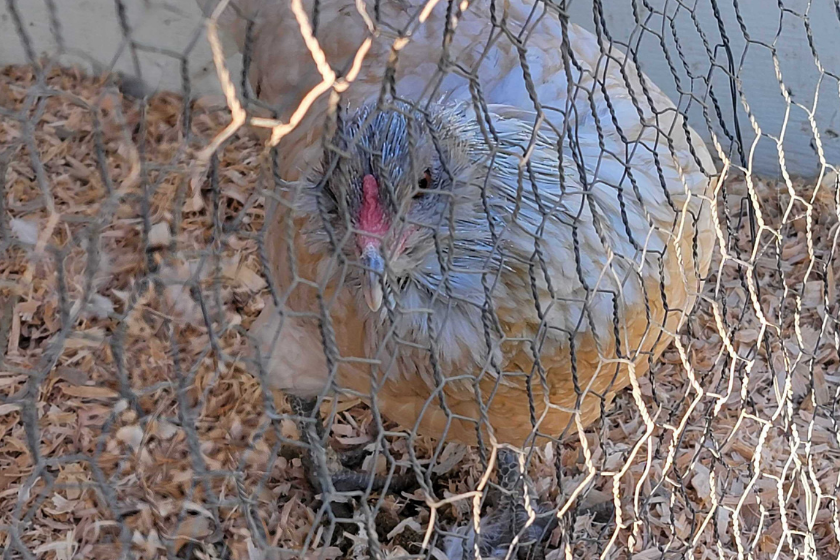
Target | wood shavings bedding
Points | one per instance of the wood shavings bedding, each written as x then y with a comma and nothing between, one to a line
154,436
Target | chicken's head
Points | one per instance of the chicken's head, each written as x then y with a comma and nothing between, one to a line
384,189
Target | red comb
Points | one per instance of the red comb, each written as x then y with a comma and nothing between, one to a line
371,217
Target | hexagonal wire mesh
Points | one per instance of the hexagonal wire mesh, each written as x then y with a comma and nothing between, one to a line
460,255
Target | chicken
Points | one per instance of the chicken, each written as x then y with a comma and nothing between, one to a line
497,265
431,254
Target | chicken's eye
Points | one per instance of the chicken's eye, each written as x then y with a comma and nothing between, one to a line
424,184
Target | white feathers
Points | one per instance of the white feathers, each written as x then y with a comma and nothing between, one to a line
26,231
100,306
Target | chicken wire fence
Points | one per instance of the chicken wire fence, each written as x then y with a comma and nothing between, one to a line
170,261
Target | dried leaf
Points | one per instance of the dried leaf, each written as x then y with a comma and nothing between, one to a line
250,279
159,235
63,550
8,408
193,528
89,392
700,482
131,435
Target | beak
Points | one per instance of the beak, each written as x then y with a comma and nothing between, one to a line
371,282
